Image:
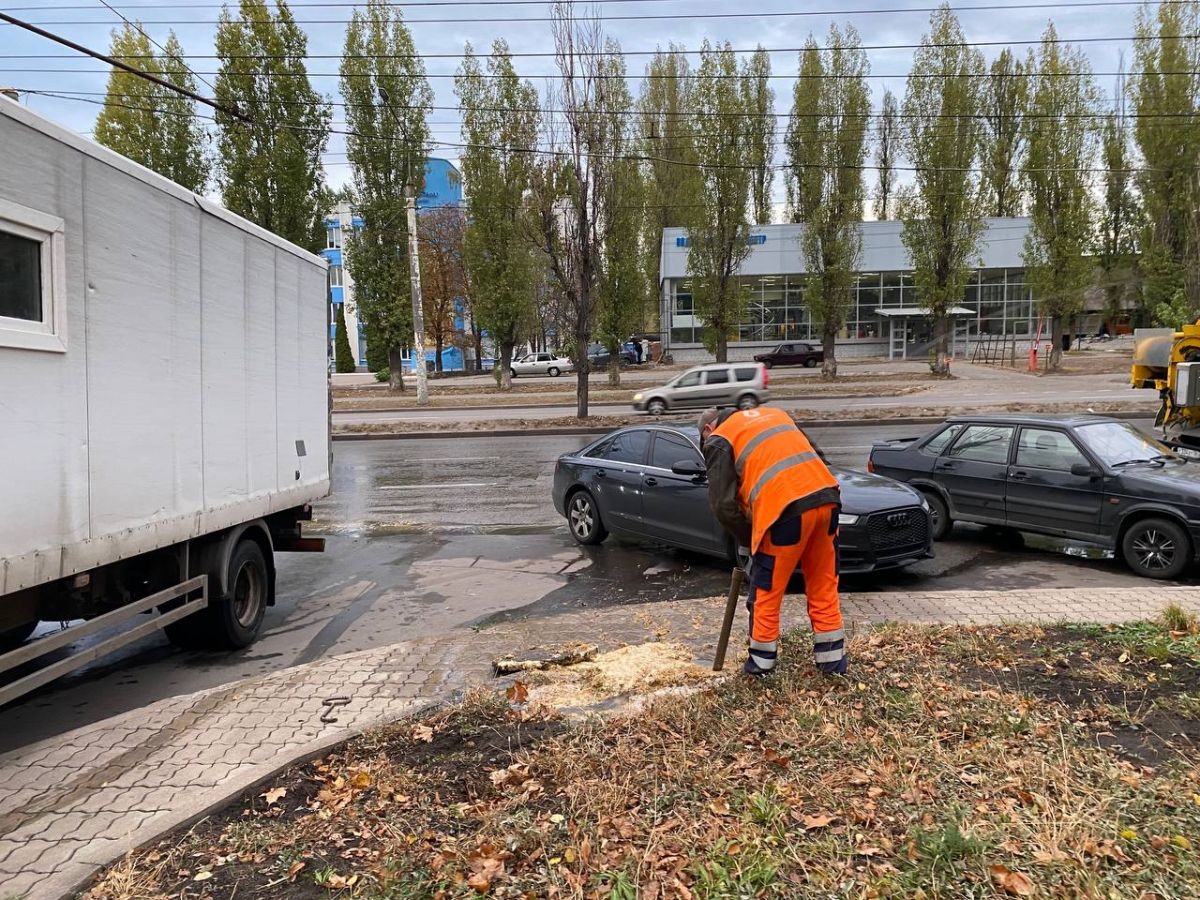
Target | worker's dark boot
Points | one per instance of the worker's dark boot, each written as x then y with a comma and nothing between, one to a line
751,669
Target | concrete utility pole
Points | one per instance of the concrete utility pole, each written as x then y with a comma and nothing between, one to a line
418,308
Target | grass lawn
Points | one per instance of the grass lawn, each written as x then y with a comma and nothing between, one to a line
954,762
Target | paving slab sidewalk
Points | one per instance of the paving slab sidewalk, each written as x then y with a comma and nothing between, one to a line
76,802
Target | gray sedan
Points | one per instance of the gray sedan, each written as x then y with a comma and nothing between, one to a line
648,483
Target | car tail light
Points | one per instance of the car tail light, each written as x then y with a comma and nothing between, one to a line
871,466
766,375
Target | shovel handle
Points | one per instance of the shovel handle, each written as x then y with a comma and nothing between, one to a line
735,589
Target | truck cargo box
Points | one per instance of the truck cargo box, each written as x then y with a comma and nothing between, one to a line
163,362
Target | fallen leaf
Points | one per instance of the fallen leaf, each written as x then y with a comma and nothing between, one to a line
818,821
569,855
1181,842
480,883
518,693
1129,834
557,818
1015,883
585,850
202,876
423,733
360,780
733,849
720,807
294,870
274,795
1158,842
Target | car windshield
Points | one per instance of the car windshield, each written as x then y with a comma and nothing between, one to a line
1119,443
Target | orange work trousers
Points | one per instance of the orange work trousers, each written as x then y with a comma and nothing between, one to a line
809,542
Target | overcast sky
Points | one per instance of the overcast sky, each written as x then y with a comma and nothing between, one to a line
89,22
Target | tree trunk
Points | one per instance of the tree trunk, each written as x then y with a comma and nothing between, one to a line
438,342
477,338
504,378
582,370
396,369
829,345
940,363
614,370
1056,336
722,346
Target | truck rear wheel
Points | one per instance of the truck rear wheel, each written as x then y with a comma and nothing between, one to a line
233,621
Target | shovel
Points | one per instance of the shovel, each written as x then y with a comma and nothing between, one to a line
736,580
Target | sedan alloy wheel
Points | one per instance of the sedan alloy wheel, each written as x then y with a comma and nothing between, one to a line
1157,548
584,519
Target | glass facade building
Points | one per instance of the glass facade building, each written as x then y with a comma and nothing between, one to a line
996,300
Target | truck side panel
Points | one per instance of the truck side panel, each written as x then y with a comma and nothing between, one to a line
144,313
43,395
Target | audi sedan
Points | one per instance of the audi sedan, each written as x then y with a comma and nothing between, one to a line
648,483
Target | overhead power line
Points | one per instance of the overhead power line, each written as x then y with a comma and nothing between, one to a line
630,77
683,114
337,4
116,63
635,17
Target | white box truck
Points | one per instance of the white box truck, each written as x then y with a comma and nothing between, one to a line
164,402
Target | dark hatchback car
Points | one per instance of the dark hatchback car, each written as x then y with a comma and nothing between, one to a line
1087,478
793,354
648,483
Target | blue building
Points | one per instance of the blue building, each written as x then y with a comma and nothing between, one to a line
442,188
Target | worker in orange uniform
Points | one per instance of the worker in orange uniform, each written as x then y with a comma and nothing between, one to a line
770,489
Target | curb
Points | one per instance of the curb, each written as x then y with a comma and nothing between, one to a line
603,404
605,429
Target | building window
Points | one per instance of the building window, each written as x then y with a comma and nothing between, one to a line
335,276
682,242
32,277
334,234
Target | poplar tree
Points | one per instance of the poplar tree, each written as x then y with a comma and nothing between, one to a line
148,123
500,127
623,286
1062,144
943,210
1005,106
718,229
387,99
343,354
270,171
886,149
759,121
670,179
1121,216
1165,90
826,147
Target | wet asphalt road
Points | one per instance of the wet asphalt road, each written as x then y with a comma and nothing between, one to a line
429,535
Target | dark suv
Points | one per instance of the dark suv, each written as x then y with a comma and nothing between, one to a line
793,354
1087,478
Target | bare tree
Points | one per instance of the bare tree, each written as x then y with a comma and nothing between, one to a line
583,143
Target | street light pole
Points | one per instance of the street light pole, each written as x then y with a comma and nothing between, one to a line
418,308
414,265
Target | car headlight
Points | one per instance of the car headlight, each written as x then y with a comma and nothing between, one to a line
847,519
637,398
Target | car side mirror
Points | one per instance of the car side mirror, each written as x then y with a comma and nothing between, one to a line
690,469
1084,470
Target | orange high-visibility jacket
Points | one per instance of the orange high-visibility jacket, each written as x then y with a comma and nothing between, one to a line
775,463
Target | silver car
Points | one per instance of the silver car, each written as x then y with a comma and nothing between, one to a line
743,385
541,364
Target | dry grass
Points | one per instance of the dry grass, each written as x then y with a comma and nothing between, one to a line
929,773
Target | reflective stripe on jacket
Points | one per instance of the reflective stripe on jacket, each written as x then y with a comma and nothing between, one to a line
775,464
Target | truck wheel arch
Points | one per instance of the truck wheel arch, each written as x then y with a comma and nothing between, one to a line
212,557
